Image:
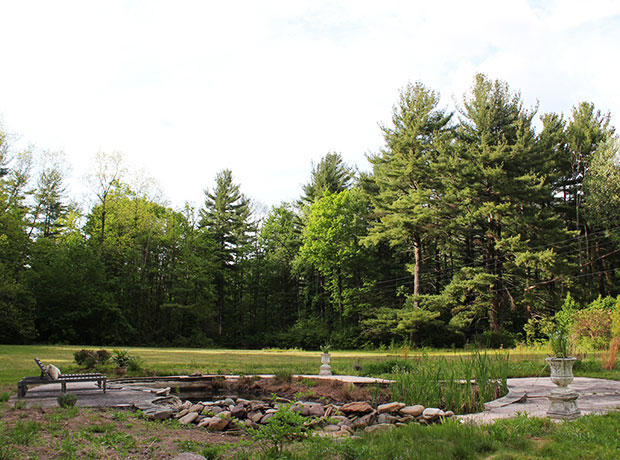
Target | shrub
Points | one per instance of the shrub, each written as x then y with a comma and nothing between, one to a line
66,400
284,427
103,356
90,358
591,328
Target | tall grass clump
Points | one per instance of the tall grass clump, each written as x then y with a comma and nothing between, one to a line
461,384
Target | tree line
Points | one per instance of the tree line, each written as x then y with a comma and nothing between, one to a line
472,225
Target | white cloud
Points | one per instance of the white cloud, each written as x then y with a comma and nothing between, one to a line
185,89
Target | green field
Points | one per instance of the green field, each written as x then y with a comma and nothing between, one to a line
16,361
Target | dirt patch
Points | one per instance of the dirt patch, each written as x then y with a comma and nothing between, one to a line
305,389
100,433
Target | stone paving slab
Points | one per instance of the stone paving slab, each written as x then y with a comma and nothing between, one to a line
529,396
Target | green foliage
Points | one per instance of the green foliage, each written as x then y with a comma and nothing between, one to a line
66,400
447,383
90,358
4,396
122,358
283,428
560,344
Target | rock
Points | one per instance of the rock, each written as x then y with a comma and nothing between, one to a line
357,407
364,421
379,427
187,404
158,413
449,414
255,416
386,418
431,413
188,456
316,411
390,407
332,428
229,402
196,408
340,420
265,419
161,391
258,405
406,419
217,424
189,418
412,410
238,411
182,413
271,411
329,411
224,414
214,409
204,422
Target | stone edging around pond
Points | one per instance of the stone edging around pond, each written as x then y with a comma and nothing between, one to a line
327,419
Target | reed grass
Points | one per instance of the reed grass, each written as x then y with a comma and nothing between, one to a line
461,384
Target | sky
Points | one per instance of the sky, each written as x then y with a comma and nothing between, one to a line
184,89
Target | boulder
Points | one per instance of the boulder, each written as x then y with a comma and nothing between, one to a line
386,418
390,407
196,408
379,427
188,456
265,419
316,410
238,411
361,407
217,424
182,413
432,413
416,410
158,413
188,418
255,416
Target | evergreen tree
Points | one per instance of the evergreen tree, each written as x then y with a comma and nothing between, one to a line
225,218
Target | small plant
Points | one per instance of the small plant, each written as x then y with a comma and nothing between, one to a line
284,427
90,358
284,376
326,348
121,358
4,397
559,343
19,405
66,400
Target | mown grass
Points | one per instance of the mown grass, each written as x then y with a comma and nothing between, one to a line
16,361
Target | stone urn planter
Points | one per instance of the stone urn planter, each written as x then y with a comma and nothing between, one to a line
325,368
563,399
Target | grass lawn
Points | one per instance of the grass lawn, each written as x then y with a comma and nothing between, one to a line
98,433
16,361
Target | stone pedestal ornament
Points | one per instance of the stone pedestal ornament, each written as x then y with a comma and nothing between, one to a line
563,399
325,368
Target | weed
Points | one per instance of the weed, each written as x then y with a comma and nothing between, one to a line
19,405
284,427
4,397
284,376
308,382
24,432
66,400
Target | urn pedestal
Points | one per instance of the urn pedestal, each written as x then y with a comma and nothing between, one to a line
563,400
325,368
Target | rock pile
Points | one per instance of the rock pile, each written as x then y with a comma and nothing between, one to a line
328,419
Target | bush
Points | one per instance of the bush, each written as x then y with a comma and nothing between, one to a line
66,400
90,358
591,328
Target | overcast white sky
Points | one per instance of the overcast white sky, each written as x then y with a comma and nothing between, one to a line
186,88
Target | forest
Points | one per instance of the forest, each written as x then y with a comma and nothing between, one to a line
472,226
